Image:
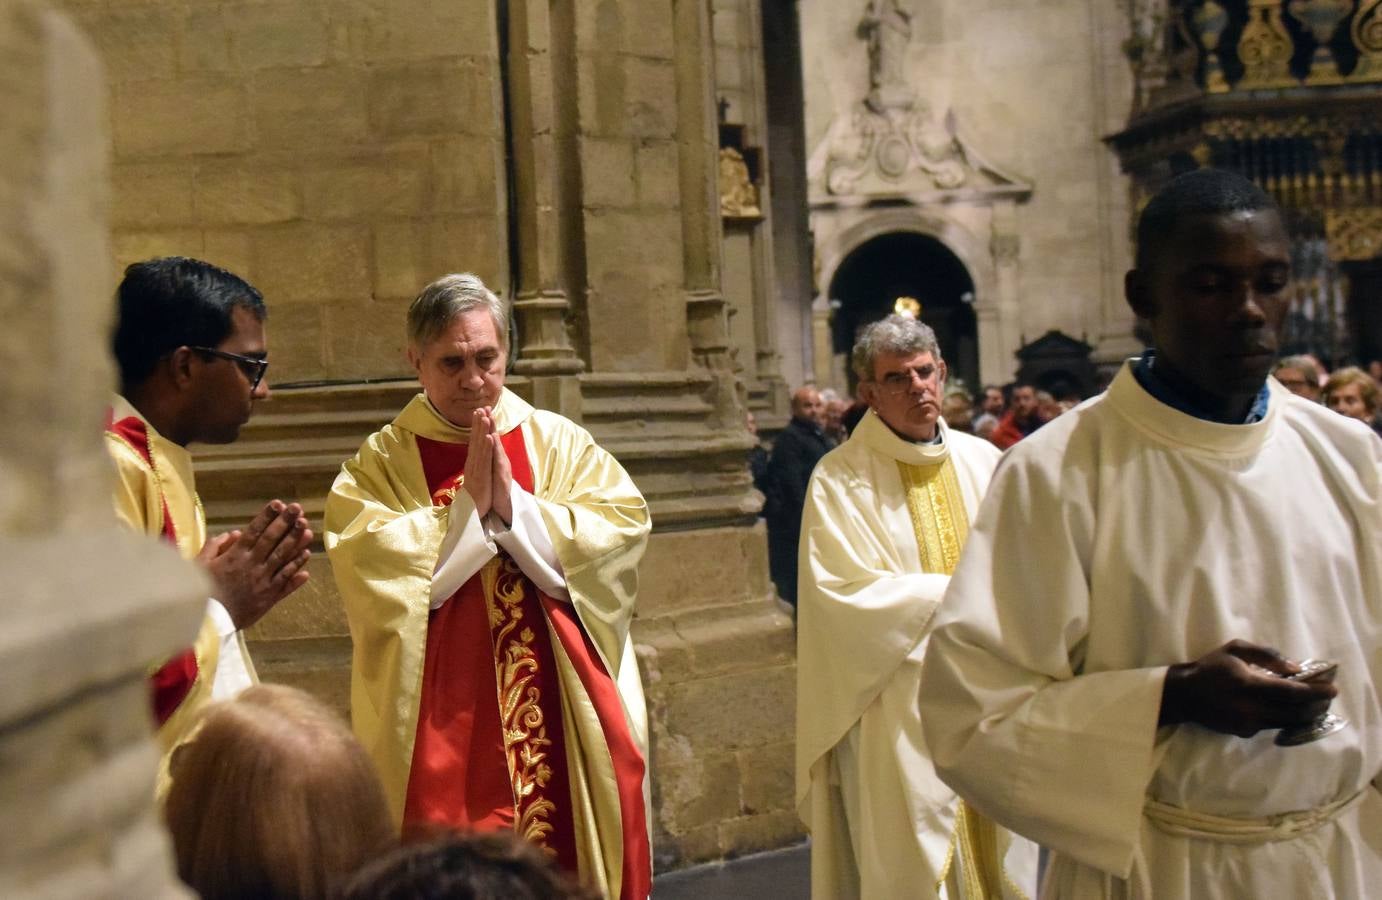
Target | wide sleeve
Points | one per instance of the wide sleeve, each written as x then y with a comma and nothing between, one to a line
383,536
860,610
1014,726
598,525
527,542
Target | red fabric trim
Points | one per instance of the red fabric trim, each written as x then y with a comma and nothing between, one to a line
629,766
459,776
171,684
132,431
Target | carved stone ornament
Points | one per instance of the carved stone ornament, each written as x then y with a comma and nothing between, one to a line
889,143
738,194
1354,234
900,152
886,27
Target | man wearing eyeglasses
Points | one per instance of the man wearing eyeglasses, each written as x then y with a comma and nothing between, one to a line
886,515
192,354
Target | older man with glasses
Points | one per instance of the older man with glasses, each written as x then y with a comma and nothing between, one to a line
192,354
886,515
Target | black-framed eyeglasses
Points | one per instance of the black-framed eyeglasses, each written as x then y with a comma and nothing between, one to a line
253,367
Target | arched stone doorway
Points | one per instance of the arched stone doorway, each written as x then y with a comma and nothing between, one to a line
867,283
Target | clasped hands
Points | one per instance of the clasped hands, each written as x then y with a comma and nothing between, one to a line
255,567
488,477
1226,691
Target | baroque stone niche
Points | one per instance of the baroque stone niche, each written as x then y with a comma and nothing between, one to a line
891,162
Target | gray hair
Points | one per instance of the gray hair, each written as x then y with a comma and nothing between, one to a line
1303,364
448,297
895,334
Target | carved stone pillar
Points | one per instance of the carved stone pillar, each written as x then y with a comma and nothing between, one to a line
542,150
87,605
698,165
1006,248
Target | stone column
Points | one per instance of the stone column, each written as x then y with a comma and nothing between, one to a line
698,150
1005,245
542,149
87,605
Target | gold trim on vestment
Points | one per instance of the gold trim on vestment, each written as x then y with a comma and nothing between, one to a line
941,524
938,513
526,743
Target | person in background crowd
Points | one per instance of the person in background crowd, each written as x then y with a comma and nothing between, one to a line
795,453
758,454
1100,677
989,412
273,798
1352,392
1048,407
833,422
1021,419
493,866
1300,376
851,416
835,419
958,411
992,401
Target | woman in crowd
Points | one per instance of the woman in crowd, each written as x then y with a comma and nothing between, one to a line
273,798
1352,392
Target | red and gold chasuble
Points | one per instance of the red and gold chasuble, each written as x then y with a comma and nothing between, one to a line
173,681
490,752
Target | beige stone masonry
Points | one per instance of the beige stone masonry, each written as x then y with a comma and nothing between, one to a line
87,605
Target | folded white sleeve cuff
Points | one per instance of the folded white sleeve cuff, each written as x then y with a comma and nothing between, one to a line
527,541
232,675
464,550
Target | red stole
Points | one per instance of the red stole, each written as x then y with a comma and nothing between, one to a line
490,750
170,685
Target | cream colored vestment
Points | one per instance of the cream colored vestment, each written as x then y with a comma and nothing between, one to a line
882,824
1126,536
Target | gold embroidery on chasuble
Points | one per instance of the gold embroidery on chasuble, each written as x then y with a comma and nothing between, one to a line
526,744
445,494
941,524
939,519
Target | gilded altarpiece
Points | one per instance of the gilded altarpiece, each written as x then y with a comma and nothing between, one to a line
1286,93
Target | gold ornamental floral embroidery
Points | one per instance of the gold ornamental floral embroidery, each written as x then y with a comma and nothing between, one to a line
526,744
445,494
938,514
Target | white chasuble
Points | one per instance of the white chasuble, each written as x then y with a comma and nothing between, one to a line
1124,537
883,526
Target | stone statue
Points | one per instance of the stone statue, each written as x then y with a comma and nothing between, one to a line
887,27
738,195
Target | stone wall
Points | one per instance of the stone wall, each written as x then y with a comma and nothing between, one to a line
77,758
342,154
338,154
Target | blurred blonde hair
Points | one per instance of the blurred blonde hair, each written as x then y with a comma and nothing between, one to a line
273,797
1367,388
